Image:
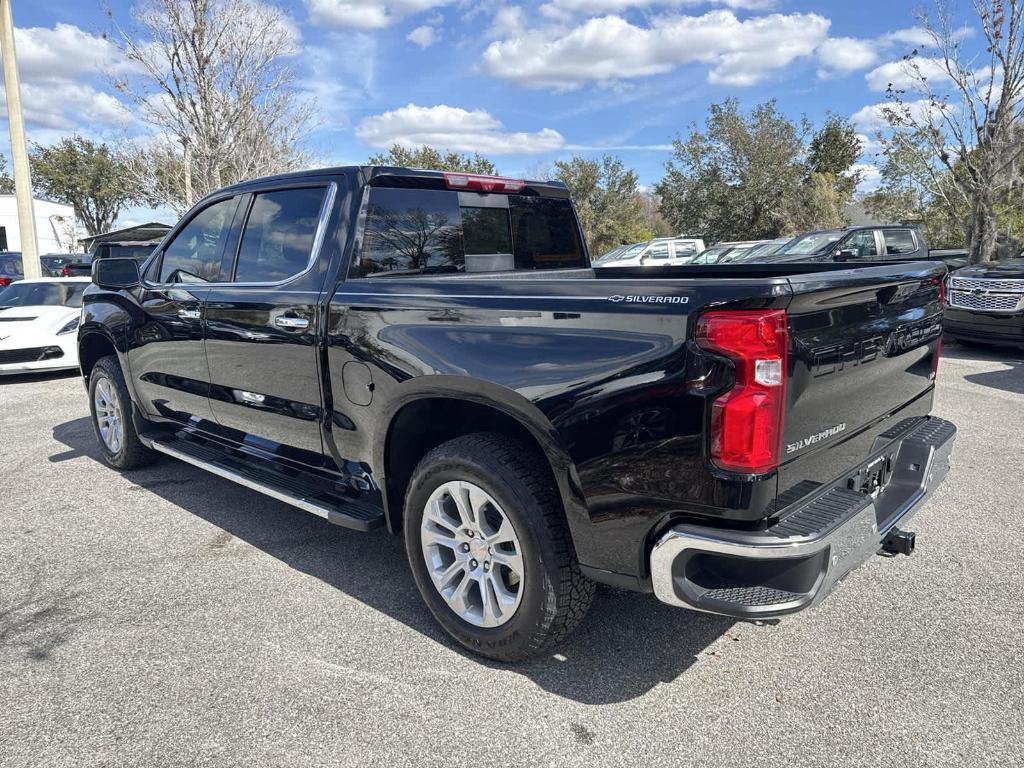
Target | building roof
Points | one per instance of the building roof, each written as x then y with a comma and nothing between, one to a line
154,230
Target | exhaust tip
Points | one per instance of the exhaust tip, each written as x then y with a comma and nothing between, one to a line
899,542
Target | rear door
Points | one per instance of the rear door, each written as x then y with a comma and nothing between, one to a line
864,346
262,324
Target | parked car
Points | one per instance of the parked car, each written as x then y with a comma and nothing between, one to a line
38,324
56,264
11,268
431,352
722,253
132,249
660,252
765,248
985,303
858,244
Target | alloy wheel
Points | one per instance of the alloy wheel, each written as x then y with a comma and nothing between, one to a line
472,553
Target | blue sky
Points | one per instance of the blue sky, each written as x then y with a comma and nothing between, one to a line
524,83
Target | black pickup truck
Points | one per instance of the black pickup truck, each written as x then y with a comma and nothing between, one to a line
431,353
863,244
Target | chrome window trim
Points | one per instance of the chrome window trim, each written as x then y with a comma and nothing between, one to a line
318,239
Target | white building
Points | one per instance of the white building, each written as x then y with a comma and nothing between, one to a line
55,226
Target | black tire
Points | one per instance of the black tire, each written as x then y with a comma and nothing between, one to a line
555,594
131,454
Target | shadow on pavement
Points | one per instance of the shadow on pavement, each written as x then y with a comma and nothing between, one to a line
32,378
627,645
38,623
1009,379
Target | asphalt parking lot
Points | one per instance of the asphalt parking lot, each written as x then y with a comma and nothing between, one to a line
169,617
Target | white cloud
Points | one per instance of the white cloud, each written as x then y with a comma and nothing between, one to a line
455,129
919,36
565,9
904,73
507,21
870,177
65,52
610,49
61,69
366,14
842,55
424,36
872,117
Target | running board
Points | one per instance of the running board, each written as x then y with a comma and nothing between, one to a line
309,494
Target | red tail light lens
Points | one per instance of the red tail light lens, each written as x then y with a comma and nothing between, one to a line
746,421
5,281
66,272
478,183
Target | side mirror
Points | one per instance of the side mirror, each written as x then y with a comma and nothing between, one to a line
846,254
116,274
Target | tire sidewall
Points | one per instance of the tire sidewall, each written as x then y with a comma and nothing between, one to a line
536,608
98,373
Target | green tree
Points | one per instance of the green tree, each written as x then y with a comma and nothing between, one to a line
6,182
759,175
87,176
432,159
739,178
962,113
608,201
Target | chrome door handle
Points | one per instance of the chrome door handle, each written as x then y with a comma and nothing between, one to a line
291,323
189,314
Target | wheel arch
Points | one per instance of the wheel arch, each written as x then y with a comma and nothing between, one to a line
93,344
433,412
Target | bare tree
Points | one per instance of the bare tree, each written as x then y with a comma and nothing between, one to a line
212,78
962,115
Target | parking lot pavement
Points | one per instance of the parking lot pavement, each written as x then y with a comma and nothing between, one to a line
168,617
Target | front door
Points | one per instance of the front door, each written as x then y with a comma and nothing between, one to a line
166,352
262,326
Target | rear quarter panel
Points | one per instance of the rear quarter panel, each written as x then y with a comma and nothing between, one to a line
597,374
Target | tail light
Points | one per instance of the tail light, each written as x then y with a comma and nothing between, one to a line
5,281
66,272
478,183
746,421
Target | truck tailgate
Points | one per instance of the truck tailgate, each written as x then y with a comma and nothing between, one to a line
864,346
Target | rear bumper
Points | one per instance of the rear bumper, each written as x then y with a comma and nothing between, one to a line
987,327
797,562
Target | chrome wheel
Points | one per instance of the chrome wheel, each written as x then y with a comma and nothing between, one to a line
472,554
109,419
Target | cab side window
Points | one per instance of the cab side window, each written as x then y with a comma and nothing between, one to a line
194,256
279,233
864,243
899,241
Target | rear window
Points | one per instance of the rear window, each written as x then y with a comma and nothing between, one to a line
430,232
11,265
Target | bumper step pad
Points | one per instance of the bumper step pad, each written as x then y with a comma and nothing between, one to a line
300,489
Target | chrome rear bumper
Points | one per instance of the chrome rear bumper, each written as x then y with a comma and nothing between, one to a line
818,541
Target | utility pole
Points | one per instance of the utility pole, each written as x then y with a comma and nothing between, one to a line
19,151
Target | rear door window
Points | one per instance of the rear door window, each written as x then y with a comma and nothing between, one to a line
194,254
278,239
657,252
432,232
684,250
899,241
